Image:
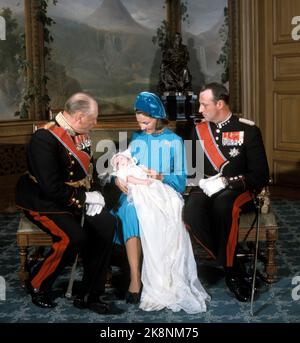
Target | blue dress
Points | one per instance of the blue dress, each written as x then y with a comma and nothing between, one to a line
163,152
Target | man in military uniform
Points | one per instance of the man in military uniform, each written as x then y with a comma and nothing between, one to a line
56,193
235,167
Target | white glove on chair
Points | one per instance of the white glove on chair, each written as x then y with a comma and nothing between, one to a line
212,185
95,202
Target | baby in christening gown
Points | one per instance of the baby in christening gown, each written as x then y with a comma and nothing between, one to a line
169,271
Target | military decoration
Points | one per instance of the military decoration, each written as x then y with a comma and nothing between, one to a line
82,142
233,138
234,152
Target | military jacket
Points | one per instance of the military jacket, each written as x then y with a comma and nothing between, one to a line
238,150
55,164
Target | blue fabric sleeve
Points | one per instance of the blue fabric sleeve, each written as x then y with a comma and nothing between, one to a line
177,177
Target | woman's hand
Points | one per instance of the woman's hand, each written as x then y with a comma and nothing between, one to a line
153,174
123,188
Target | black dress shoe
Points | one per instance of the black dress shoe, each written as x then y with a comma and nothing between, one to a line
133,298
238,287
42,299
102,307
80,302
97,305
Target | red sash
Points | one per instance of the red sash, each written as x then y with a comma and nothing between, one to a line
81,156
212,151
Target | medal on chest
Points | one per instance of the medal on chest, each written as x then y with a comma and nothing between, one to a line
233,138
82,142
234,152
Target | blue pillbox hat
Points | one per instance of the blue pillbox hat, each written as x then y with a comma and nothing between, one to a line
150,104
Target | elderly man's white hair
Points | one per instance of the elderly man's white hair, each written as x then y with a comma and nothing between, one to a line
81,102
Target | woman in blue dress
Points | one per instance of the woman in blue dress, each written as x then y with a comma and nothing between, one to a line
161,152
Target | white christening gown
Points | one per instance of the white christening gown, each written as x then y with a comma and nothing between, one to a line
169,271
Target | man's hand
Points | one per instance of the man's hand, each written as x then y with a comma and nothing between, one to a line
121,186
212,185
95,202
93,209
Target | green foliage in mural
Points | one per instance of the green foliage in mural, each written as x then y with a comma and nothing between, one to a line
164,37
32,92
10,51
224,55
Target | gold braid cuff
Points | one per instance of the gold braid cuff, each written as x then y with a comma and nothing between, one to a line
85,182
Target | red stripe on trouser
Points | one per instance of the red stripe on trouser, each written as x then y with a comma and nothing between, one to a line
232,240
51,263
199,242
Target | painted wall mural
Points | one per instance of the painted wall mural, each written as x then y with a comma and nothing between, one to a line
104,47
11,78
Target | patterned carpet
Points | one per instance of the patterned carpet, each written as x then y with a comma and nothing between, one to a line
274,304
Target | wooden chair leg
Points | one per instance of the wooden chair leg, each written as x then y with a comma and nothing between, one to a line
270,266
23,273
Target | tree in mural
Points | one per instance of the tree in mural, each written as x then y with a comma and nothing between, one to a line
10,49
223,58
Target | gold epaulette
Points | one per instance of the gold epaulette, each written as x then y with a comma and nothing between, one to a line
246,121
49,125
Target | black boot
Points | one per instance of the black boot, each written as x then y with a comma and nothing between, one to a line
236,284
245,275
248,278
42,299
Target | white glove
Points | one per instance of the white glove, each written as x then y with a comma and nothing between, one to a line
212,185
95,202
93,209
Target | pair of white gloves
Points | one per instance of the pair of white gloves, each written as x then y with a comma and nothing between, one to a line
213,184
94,203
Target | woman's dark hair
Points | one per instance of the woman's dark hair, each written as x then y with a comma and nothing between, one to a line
160,124
219,91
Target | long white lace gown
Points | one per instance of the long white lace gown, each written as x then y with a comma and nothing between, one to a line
169,271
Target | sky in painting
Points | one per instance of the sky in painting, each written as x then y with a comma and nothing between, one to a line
202,14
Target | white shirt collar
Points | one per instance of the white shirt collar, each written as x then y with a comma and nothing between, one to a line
224,122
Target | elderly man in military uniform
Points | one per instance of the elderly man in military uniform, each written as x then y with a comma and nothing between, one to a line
56,193
235,167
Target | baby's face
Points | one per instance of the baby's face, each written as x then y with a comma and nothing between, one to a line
121,161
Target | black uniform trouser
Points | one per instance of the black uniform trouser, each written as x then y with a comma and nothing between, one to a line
93,242
213,221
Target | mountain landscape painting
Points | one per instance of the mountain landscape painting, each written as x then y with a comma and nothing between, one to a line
105,48
106,53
